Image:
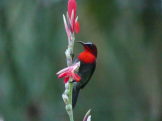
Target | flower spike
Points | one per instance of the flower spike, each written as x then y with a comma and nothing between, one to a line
72,24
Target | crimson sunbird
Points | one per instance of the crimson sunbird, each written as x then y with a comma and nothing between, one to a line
87,60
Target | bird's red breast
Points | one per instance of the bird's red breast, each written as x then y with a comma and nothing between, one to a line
87,57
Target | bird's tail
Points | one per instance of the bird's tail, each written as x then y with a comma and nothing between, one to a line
75,95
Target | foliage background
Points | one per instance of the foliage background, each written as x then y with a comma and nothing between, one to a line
127,83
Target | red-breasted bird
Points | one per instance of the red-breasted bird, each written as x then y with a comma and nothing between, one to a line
87,60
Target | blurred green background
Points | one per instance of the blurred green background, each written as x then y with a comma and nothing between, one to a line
127,84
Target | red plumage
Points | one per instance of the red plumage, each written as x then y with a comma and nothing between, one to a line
87,57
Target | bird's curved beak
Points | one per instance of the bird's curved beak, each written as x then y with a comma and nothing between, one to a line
80,42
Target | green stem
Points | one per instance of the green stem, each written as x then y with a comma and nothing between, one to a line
67,97
70,100
70,46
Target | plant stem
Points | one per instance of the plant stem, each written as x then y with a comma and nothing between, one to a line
69,58
67,96
70,100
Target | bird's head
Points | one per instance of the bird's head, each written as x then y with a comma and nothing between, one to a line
90,47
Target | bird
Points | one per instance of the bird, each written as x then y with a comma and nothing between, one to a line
87,60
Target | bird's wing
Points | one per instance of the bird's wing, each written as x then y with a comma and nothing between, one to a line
88,72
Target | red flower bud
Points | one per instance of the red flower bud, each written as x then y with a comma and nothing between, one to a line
77,27
72,5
